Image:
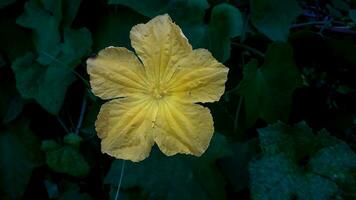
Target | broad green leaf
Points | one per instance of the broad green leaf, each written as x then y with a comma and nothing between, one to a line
46,84
274,17
47,76
267,91
76,44
276,177
44,18
225,23
67,160
278,174
352,14
335,162
281,138
178,177
188,14
19,155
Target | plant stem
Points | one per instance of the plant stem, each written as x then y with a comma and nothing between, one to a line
81,116
120,180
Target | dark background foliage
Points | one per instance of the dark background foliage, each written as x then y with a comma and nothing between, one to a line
285,127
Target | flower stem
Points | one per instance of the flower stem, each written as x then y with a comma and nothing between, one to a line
120,180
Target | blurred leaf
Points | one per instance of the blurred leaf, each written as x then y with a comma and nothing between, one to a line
114,29
14,108
19,155
188,14
49,145
277,175
47,85
268,90
4,3
67,160
11,103
352,14
70,11
225,23
193,178
52,189
74,194
73,140
341,5
182,11
274,17
242,154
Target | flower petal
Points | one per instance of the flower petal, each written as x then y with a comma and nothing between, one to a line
199,78
160,44
125,128
182,128
116,72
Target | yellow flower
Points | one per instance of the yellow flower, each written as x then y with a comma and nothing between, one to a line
152,99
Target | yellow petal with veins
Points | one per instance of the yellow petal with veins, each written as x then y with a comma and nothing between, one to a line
125,128
116,72
199,78
160,44
182,128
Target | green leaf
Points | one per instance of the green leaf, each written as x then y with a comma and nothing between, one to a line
14,108
335,162
49,145
46,84
188,14
279,174
352,14
274,17
47,79
74,194
73,140
178,177
70,11
76,44
225,23
19,155
114,29
281,138
67,160
44,18
267,91
242,154
276,177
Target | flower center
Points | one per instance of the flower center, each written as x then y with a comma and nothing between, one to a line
157,92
